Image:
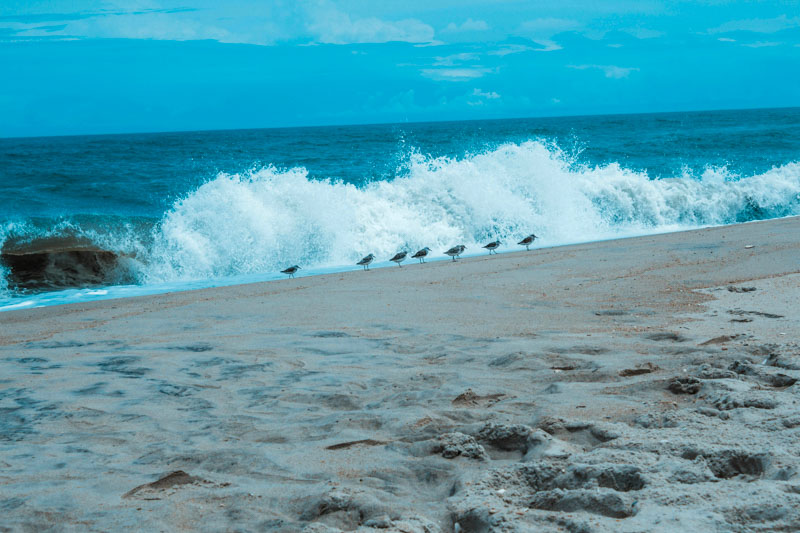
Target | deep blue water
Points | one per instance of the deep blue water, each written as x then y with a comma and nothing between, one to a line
169,208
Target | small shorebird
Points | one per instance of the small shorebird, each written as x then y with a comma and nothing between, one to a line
493,246
421,254
455,251
399,257
365,261
291,270
527,241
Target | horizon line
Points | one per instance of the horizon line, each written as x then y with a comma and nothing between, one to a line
395,123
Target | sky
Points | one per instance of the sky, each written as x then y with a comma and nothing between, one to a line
107,66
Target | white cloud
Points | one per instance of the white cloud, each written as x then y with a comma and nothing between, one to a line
491,95
761,44
455,74
510,49
452,60
758,25
145,20
481,98
610,71
153,24
467,25
546,46
331,26
549,46
156,26
726,40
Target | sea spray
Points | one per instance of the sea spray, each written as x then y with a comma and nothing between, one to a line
266,219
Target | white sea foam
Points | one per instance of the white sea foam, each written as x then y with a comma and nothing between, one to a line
270,218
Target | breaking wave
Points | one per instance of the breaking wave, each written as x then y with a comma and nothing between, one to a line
266,219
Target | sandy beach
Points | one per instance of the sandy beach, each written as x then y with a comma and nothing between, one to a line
645,384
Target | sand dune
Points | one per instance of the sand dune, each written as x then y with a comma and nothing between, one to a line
645,384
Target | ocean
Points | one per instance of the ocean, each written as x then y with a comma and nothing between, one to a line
104,216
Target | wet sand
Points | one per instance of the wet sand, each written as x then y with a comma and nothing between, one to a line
644,384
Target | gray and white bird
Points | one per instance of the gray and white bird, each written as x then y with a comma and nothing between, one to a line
493,246
455,251
421,254
399,257
291,270
527,241
365,261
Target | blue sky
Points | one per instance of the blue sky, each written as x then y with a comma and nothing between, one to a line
92,66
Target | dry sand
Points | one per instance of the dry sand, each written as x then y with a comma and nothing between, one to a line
645,384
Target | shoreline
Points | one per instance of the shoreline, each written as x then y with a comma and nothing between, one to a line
644,383
101,293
